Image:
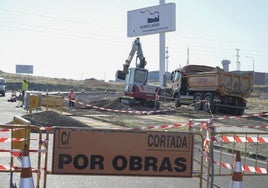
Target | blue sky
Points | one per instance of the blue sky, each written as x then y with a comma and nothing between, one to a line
82,39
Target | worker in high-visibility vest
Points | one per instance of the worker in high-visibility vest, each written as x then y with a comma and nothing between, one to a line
24,88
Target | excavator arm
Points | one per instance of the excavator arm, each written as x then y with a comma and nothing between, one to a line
136,49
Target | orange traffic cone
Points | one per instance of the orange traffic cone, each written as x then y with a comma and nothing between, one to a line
26,178
237,178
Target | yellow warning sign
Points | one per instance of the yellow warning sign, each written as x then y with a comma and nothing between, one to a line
122,152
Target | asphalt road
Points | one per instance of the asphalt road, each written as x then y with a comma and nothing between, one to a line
8,110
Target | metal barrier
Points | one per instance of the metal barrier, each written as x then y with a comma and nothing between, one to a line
220,148
34,102
40,145
52,101
20,133
213,145
7,145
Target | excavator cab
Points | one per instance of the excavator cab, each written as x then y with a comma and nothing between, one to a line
136,77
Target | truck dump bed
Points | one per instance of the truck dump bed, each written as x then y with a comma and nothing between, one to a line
204,78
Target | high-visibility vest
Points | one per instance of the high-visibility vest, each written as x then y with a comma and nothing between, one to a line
25,86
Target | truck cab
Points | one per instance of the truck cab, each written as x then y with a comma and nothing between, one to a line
176,81
3,86
179,88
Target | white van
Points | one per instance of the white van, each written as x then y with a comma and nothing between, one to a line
3,86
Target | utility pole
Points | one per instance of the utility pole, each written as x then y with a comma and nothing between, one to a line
237,59
188,57
167,56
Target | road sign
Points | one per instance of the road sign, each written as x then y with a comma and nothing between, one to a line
122,152
24,69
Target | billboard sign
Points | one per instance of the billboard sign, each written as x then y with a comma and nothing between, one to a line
24,69
151,20
122,152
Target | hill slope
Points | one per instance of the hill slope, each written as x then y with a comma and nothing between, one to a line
54,84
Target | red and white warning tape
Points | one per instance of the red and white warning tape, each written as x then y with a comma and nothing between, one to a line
2,140
4,130
7,130
173,126
243,116
245,168
5,167
18,152
13,168
123,111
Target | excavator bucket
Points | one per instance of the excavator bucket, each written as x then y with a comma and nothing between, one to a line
120,75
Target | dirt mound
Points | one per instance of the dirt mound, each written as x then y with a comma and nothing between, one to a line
109,103
51,118
115,104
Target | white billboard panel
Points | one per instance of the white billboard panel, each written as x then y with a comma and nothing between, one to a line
24,69
151,20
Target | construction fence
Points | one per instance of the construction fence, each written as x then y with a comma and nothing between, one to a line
34,101
213,156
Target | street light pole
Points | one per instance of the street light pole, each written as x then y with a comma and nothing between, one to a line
253,67
252,62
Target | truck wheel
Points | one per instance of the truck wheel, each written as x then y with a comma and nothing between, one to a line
208,106
239,112
241,104
156,105
177,101
197,101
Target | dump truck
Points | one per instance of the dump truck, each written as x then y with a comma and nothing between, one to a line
211,88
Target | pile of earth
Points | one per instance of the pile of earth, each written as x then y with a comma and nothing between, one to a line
52,118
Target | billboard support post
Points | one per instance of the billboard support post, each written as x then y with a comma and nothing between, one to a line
162,47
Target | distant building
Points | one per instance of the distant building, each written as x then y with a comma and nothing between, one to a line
260,78
154,76
225,65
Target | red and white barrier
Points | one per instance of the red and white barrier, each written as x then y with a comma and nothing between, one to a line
124,111
259,170
2,140
240,139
